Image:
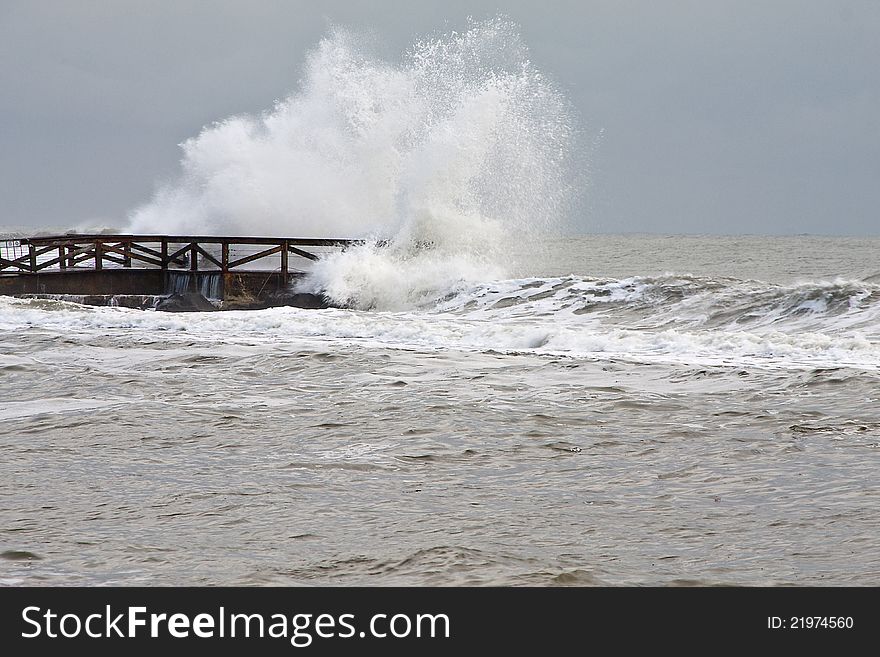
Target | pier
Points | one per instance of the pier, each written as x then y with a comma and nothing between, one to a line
233,272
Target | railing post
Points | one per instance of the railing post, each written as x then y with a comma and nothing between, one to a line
32,250
193,257
224,257
126,259
70,258
164,254
99,256
62,258
284,259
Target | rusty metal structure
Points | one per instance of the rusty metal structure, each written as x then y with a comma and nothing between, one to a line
243,269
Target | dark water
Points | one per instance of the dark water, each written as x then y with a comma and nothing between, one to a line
631,410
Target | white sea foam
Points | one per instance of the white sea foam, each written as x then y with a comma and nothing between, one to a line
684,302
577,336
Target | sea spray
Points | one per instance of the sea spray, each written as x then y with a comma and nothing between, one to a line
445,156
429,259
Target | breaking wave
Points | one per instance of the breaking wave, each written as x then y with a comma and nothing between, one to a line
671,319
683,302
445,156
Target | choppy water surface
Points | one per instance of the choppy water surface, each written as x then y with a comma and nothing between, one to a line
628,410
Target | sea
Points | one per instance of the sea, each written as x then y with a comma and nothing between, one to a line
613,410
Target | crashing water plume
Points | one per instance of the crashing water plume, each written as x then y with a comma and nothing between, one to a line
445,156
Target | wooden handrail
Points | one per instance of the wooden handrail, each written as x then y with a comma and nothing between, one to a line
132,251
61,240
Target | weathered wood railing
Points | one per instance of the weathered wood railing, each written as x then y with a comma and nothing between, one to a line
224,254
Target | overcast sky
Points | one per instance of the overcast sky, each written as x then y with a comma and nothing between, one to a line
715,116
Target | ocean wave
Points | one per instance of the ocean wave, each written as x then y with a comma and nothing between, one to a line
506,330
680,302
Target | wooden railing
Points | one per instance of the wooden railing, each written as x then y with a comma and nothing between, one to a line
224,254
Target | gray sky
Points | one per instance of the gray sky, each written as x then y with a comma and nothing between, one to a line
716,116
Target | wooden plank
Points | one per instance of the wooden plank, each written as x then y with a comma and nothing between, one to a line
51,242
44,250
74,251
33,257
71,256
208,256
129,256
4,263
175,257
21,259
146,259
67,240
145,249
62,260
87,254
82,258
99,264
300,252
255,256
74,240
224,257
193,257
